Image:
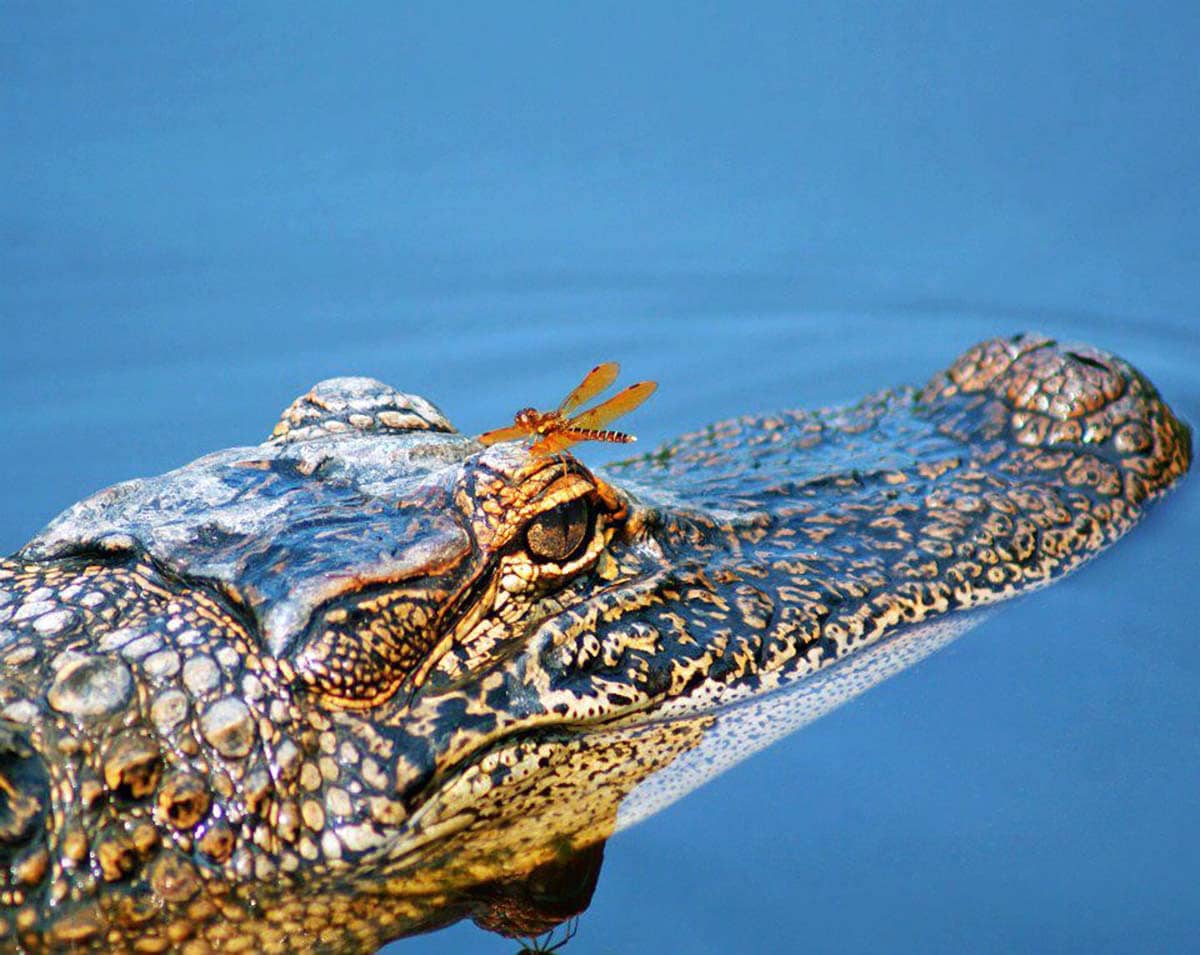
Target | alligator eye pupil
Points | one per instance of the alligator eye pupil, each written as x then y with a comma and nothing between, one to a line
557,533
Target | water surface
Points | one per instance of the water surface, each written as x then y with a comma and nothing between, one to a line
205,213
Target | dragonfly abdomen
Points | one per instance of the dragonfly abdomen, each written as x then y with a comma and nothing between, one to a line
592,434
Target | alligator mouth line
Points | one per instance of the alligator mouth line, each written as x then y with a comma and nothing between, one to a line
738,725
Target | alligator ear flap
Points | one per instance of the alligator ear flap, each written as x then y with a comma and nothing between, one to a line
358,654
24,791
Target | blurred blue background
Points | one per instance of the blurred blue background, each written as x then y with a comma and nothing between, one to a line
208,207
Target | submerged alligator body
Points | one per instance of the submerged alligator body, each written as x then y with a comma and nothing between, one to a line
369,677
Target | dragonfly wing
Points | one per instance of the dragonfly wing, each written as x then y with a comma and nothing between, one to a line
594,382
511,433
621,403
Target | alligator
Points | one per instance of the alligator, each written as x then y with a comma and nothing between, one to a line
371,677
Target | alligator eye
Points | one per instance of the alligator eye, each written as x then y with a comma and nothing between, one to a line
556,534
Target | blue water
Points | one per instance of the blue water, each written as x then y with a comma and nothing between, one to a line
204,210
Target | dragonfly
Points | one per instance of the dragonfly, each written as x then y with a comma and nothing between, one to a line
555,431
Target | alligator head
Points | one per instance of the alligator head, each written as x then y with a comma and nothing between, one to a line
370,677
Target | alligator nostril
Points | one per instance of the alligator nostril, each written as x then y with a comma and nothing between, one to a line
1033,339
1085,360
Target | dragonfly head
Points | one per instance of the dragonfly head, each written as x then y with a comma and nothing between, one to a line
528,418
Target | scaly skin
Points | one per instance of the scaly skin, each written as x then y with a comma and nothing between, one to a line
369,677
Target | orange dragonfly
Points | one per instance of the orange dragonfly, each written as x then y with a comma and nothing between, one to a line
555,431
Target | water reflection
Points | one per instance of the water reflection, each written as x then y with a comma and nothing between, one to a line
550,895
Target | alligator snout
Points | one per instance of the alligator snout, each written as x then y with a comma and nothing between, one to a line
1079,410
